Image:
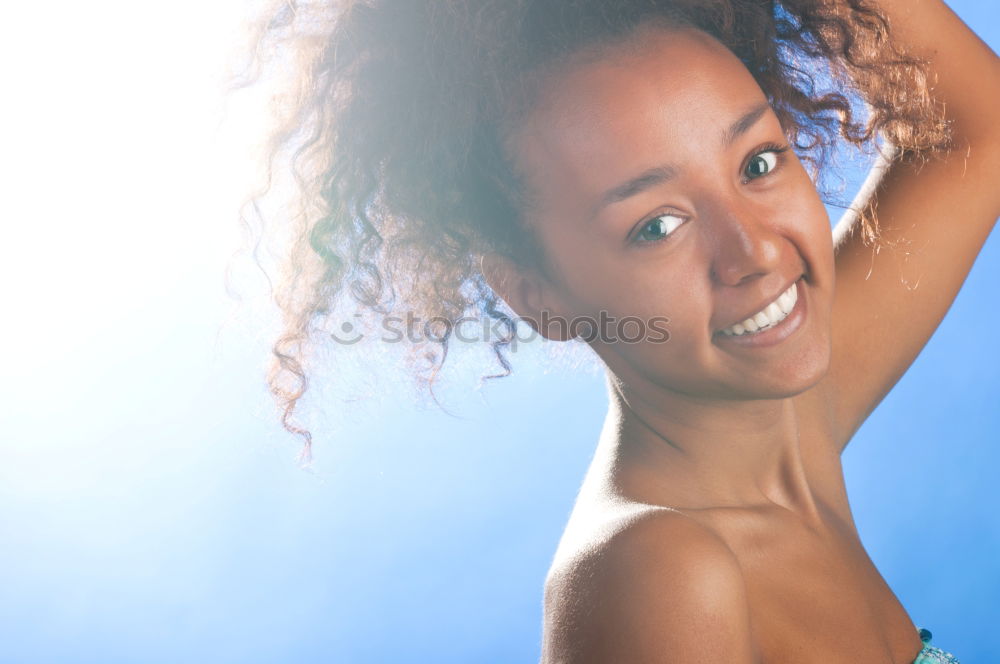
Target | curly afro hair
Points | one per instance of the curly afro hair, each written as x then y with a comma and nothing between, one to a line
400,109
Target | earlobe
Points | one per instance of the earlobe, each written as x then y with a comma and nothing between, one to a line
508,281
521,288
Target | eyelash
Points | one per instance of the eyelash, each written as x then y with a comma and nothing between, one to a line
776,148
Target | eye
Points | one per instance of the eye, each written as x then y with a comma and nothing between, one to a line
658,228
764,161
761,164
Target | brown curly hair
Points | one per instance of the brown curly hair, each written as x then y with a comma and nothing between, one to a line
397,120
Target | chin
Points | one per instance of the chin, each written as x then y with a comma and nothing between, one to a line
791,377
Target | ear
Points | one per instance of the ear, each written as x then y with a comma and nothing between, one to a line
527,292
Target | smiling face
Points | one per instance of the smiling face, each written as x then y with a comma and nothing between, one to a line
662,187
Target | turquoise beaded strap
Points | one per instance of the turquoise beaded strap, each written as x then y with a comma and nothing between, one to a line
931,655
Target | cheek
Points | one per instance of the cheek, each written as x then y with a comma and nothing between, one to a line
671,295
820,236
807,221
638,294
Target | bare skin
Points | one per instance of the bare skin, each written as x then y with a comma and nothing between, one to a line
712,440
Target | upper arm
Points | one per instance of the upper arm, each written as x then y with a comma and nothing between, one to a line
662,590
889,299
934,219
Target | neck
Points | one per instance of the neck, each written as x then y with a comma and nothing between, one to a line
673,449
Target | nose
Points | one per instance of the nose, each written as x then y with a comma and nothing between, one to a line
744,244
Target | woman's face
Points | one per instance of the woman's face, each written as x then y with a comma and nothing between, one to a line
659,193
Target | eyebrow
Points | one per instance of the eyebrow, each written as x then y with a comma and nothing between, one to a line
660,174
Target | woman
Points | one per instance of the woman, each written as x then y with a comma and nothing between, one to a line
597,163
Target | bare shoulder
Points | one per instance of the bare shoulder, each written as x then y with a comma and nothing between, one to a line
658,588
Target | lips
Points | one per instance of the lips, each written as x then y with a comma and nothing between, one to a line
759,307
772,335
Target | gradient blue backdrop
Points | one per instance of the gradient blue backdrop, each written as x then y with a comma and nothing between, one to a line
150,506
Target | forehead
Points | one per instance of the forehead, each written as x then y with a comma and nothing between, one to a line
663,96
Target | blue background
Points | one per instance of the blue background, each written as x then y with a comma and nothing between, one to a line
151,509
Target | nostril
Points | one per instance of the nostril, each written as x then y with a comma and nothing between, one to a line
739,261
734,277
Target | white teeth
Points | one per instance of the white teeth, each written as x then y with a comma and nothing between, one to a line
786,301
774,313
769,316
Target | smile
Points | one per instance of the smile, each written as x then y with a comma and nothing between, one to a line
772,325
767,317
